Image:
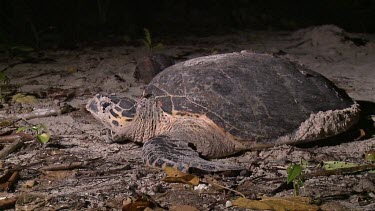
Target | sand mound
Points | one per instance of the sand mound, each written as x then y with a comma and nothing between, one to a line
330,38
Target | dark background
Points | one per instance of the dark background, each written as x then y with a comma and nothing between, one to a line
74,23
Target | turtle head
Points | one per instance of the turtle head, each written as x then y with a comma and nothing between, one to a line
127,119
114,112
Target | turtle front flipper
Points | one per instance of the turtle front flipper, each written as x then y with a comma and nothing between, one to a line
163,151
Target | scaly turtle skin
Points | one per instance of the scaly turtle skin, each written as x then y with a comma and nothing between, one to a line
216,106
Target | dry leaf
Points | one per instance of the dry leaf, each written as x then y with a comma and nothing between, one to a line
5,123
176,176
20,98
31,201
172,172
219,185
72,69
29,184
362,134
58,175
292,203
183,208
298,199
277,204
135,205
251,204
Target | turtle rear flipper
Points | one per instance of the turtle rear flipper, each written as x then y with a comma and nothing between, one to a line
163,151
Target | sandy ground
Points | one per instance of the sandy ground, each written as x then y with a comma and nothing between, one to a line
113,172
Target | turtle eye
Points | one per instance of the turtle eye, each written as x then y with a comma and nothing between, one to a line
105,105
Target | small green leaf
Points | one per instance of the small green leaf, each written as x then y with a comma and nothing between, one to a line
35,127
159,46
44,137
332,165
293,172
3,77
370,156
300,183
147,36
22,129
148,45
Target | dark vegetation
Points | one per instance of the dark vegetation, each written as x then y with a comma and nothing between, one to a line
70,24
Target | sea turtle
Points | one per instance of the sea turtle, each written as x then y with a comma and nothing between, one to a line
219,105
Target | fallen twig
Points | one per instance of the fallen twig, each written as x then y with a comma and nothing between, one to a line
37,113
15,145
213,183
339,171
9,138
63,166
13,137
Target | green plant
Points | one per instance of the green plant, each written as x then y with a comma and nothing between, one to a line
370,156
40,130
148,41
4,81
3,78
294,172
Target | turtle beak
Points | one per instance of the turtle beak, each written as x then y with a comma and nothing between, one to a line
98,104
93,104
112,111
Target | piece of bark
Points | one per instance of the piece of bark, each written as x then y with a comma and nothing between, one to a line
12,180
8,203
5,177
150,65
15,145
